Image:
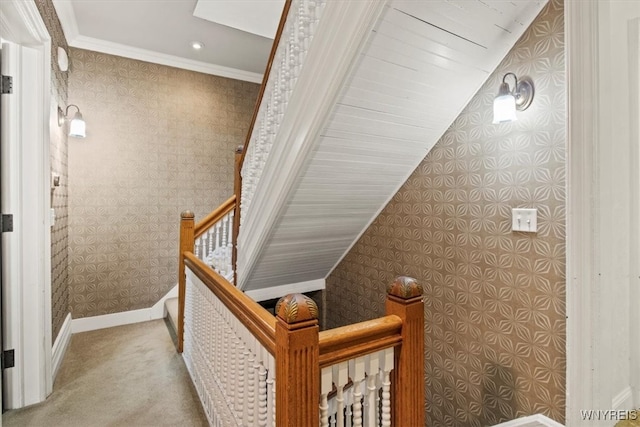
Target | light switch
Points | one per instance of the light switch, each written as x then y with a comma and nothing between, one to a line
52,216
525,220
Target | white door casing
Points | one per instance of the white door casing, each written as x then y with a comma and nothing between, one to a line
25,194
603,235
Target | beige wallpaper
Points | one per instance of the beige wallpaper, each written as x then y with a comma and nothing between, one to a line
160,140
59,166
495,299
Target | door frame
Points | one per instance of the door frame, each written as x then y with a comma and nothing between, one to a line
600,152
27,272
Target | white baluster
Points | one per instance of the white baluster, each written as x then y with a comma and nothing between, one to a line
386,365
271,382
357,375
251,379
325,388
210,239
197,247
240,376
348,402
262,391
371,395
340,378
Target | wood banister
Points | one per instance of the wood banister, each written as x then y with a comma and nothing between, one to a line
237,189
214,216
347,342
265,77
404,299
187,240
252,315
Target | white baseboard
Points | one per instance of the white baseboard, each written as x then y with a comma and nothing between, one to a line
280,291
537,420
93,323
623,401
60,346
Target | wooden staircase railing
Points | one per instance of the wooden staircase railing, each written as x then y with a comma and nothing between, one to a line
251,368
213,241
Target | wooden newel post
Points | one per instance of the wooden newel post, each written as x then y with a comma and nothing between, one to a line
297,362
237,190
186,244
404,299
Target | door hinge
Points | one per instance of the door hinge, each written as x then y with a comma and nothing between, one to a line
6,220
8,359
6,85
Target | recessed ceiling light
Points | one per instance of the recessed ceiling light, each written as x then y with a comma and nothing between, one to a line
197,45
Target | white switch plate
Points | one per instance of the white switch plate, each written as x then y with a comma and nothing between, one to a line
525,220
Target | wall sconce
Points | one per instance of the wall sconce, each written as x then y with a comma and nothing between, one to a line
508,101
77,126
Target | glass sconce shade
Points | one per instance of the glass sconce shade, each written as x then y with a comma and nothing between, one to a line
77,126
507,101
504,106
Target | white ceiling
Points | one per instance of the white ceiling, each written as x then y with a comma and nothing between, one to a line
420,67
162,31
255,17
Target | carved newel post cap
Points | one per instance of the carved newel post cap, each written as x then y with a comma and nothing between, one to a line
405,288
187,215
294,308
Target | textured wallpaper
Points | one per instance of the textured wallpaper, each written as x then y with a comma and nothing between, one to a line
494,299
59,166
160,140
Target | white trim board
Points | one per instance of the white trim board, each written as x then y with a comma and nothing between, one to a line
93,323
581,36
623,401
26,187
634,253
537,420
67,17
282,290
60,345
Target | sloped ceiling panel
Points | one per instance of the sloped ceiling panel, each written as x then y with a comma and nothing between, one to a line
422,65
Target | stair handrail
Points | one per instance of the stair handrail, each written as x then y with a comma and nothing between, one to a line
251,314
216,215
351,341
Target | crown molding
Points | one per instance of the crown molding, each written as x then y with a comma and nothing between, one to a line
69,23
97,45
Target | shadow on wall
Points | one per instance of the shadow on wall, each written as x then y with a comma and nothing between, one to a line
498,397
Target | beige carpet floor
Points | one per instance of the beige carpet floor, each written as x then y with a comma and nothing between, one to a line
125,376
